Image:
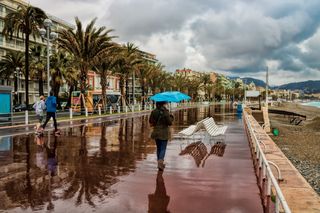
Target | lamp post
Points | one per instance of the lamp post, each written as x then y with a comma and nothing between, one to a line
47,35
17,73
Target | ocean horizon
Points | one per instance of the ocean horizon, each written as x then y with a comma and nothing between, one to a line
313,103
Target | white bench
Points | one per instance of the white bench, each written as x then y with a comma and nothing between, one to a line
213,129
193,128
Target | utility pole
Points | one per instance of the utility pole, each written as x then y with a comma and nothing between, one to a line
267,83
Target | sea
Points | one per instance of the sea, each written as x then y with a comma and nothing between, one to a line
313,103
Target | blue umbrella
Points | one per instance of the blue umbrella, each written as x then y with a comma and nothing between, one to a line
174,96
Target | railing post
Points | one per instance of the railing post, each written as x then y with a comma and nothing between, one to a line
277,204
99,110
139,108
111,110
119,109
70,113
132,108
26,117
86,111
268,186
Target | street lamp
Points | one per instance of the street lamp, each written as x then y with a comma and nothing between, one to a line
47,35
17,73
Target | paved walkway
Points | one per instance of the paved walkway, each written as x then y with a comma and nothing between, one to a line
111,167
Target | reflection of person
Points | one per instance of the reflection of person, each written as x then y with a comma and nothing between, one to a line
159,200
52,168
39,107
40,155
161,119
51,104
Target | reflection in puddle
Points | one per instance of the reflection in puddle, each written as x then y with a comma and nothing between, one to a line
159,200
78,168
198,151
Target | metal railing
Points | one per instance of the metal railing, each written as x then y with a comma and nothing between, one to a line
29,117
267,174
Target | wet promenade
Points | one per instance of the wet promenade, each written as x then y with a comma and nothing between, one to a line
111,167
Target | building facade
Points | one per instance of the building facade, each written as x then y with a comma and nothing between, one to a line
17,44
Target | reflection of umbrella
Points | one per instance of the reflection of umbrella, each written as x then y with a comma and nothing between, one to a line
174,96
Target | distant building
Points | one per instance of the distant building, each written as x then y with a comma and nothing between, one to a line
17,44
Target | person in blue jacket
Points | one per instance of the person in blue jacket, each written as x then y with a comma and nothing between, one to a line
51,104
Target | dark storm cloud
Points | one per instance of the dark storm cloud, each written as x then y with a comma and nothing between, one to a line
239,37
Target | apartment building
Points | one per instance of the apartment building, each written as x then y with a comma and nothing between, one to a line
17,44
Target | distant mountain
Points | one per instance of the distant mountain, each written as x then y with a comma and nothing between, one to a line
306,86
257,82
248,80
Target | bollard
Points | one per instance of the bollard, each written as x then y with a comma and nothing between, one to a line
132,109
99,110
119,109
111,110
150,107
126,109
86,111
27,117
139,108
145,107
70,113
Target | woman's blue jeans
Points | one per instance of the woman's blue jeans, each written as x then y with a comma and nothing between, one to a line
161,148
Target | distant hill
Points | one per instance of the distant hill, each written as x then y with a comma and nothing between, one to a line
248,80
257,82
306,86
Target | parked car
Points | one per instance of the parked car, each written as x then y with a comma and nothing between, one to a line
22,107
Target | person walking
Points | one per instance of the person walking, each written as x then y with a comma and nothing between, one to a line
39,107
161,119
51,104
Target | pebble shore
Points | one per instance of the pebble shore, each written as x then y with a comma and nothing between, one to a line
301,144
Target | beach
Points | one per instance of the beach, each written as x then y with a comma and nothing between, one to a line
300,143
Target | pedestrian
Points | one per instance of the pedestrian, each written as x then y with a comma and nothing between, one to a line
161,119
51,104
39,107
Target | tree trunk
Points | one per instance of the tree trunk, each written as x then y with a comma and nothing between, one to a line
143,95
122,91
40,82
69,96
127,89
83,79
103,84
27,65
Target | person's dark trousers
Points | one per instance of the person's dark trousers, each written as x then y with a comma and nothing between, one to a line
161,148
49,116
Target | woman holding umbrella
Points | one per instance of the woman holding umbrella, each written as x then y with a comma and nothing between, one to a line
161,119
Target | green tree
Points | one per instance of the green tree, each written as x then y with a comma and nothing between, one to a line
127,58
25,20
9,64
104,66
61,70
37,66
85,46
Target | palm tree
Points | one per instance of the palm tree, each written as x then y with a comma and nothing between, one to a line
104,67
144,70
207,84
38,66
85,46
9,64
126,60
61,70
26,20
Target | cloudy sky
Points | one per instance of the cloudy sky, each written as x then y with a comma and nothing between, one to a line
234,37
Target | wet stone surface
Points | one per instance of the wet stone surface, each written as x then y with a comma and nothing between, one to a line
111,167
